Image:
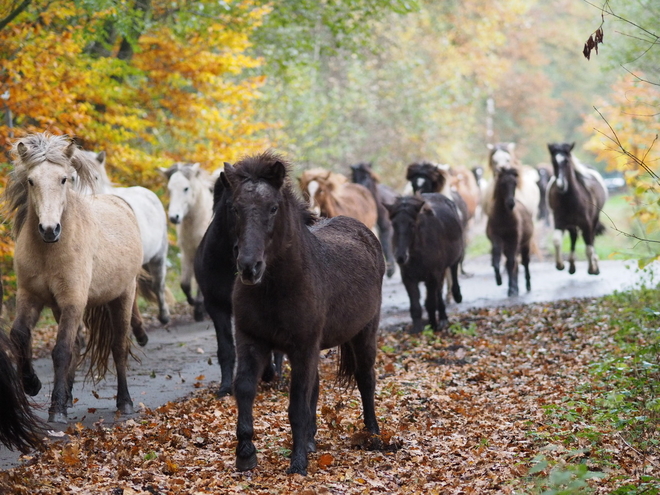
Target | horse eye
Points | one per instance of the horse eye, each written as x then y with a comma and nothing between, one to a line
186,189
273,210
30,182
63,180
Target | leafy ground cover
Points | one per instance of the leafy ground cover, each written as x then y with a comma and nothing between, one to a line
542,398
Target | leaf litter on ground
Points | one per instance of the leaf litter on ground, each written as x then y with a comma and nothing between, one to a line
464,413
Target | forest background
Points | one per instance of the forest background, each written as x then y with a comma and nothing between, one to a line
331,83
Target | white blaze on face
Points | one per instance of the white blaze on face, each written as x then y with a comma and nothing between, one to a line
559,158
420,182
501,159
312,188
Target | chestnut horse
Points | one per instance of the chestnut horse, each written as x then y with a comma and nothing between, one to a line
78,254
331,194
300,288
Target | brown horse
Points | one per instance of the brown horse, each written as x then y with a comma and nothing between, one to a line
300,288
510,229
80,255
331,194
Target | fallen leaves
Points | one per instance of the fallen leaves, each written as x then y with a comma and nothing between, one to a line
460,414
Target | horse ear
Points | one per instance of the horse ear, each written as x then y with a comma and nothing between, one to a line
229,175
196,168
276,175
70,150
223,177
100,157
572,145
511,147
167,172
22,150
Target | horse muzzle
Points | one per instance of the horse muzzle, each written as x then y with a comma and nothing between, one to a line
175,219
50,234
251,273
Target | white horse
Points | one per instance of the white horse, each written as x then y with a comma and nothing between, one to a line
502,155
191,208
152,222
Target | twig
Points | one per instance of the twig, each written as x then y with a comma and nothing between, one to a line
637,451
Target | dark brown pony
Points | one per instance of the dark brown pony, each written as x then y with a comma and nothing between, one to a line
510,229
361,173
576,195
428,240
299,289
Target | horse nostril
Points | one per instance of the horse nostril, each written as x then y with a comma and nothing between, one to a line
58,229
174,219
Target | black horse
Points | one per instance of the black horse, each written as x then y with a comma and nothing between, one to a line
426,177
300,289
428,239
510,229
19,427
362,174
576,195
215,272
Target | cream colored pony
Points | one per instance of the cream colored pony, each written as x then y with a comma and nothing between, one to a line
501,156
191,208
78,255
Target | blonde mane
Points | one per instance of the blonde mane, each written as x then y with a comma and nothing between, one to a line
33,150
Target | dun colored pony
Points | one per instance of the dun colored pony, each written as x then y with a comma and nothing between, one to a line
19,427
215,271
331,194
428,240
152,222
576,195
510,229
502,155
463,182
545,174
363,175
79,255
191,208
300,289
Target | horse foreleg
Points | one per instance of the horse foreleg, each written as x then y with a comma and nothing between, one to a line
385,236
137,324
412,288
28,311
63,360
221,316
252,359
571,257
443,321
121,312
496,257
592,257
304,377
187,277
431,304
557,242
512,269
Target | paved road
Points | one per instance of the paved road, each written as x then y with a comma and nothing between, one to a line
183,355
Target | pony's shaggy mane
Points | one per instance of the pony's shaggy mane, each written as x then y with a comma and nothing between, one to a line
259,167
40,148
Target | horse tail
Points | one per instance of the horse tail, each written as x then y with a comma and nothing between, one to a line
19,427
146,289
98,321
347,364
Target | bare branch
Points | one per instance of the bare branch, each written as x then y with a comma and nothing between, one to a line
14,13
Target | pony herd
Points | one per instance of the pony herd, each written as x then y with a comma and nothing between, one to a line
297,273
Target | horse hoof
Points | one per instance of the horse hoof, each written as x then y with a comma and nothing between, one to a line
164,319
142,340
247,463
458,297
594,272
297,470
58,417
31,385
198,314
513,293
390,270
416,328
126,408
559,266
498,280
571,269
223,392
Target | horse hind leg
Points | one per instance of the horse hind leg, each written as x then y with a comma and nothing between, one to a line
158,271
137,324
455,287
221,316
571,257
592,257
121,311
524,254
431,303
